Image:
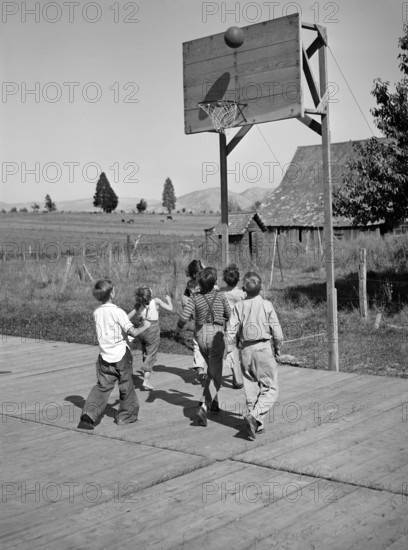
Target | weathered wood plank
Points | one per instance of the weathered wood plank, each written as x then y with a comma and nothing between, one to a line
177,483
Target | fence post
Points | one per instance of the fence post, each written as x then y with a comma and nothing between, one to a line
362,282
66,274
133,252
275,235
86,270
129,255
109,253
279,258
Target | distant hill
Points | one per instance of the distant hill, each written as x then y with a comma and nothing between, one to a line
196,201
209,199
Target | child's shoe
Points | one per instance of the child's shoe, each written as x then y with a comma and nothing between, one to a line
86,423
119,422
202,416
147,386
214,407
252,426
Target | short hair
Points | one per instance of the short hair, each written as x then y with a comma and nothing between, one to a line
102,290
207,279
143,295
194,268
252,283
231,275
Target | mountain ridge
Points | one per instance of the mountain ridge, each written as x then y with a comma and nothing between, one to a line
195,201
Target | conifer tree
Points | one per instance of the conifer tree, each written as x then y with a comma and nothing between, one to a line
105,197
168,196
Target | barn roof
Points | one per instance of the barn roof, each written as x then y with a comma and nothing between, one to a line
238,223
298,201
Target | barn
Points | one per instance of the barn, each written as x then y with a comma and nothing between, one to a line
295,209
246,235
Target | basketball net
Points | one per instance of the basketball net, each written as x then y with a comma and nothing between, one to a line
222,113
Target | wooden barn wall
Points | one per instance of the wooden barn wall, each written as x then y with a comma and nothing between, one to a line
257,246
247,247
309,237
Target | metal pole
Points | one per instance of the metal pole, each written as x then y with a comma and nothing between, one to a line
224,200
332,327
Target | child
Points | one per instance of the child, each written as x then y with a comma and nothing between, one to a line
211,311
234,295
147,308
254,323
114,361
192,288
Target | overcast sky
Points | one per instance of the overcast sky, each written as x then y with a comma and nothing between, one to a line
106,86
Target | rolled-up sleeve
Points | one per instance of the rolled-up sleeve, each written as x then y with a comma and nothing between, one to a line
232,329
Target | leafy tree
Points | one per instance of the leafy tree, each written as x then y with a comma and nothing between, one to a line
141,206
376,179
23,210
35,207
49,204
168,196
256,205
233,206
12,210
105,197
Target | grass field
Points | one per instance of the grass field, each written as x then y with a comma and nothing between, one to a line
23,230
36,302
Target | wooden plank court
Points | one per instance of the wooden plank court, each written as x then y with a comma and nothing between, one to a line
331,470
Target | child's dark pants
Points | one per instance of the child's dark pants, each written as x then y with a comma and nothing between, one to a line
107,374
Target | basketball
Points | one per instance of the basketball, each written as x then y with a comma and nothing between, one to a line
234,37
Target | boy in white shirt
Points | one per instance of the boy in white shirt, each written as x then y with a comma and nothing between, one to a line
114,363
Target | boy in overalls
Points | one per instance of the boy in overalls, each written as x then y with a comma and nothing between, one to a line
211,311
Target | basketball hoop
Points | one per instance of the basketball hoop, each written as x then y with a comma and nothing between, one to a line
223,113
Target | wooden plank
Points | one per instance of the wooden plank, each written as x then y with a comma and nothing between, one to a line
363,450
282,62
332,344
259,35
314,46
181,507
360,519
327,439
367,445
237,138
224,199
311,123
255,112
311,81
309,514
141,465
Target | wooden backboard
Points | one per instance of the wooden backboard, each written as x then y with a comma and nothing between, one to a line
264,74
